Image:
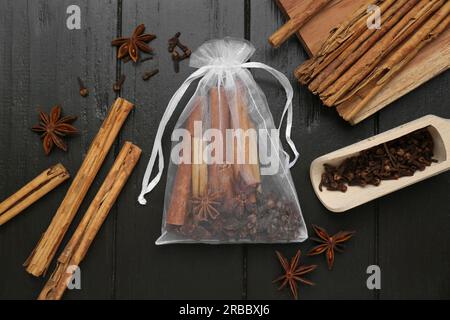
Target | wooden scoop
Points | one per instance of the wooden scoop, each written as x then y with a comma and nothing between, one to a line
339,202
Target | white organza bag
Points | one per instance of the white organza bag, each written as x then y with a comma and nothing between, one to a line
228,178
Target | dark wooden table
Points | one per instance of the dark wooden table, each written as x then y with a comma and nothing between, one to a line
406,233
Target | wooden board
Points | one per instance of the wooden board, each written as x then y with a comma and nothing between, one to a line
433,60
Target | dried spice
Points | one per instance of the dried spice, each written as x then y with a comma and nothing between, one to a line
293,273
137,42
389,161
84,92
205,206
117,86
149,74
173,43
52,128
329,244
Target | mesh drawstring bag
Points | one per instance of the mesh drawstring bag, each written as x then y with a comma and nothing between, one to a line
228,179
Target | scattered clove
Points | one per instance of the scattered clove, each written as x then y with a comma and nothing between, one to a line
84,92
398,158
173,42
177,57
147,75
118,85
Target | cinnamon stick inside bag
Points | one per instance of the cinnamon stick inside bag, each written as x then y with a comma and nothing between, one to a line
182,185
220,175
246,143
84,235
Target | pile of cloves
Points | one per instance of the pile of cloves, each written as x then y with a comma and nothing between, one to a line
173,43
389,161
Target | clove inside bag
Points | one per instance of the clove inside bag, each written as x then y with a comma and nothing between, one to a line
228,179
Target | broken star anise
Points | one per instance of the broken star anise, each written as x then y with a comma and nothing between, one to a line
205,206
293,273
329,244
52,127
131,46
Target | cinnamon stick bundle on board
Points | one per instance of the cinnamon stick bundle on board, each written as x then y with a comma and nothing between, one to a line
182,186
392,11
381,76
32,192
362,68
45,250
84,235
339,40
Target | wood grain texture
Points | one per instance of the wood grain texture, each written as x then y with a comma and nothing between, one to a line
316,131
430,62
39,66
406,232
144,270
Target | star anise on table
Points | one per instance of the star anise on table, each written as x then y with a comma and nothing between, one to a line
205,206
131,46
329,243
293,273
52,128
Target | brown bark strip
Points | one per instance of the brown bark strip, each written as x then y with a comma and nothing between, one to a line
181,191
247,146
93,219
298,20
199,168
401,57
364,66
360,46
45,250
220,176
338,40
32,192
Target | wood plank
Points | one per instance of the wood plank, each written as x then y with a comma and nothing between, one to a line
316,131
432,60
39,65
414,222
173,271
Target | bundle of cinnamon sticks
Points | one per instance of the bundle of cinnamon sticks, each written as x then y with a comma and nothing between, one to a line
205,189
356,62
218,195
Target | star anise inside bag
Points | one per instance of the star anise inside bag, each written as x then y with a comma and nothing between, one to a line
53,128
131,46
293,273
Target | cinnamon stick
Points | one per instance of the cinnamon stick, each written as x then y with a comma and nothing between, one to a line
84,235
32,192
199,167
179,199
363,67
391,15
221,175
338,40
246,145
437,24
45,250
298,20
